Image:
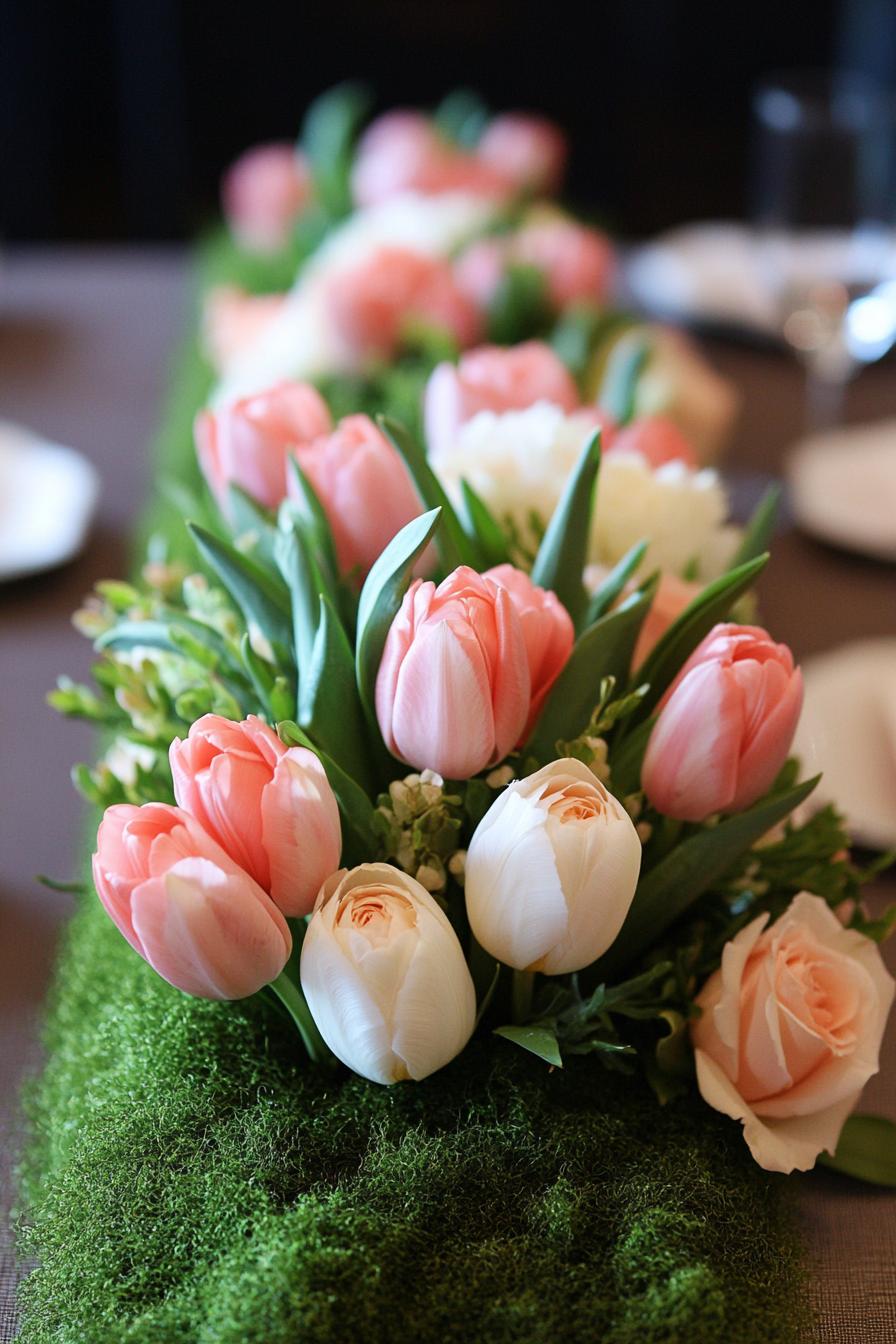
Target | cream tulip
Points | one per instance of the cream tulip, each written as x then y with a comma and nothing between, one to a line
551,871
384,975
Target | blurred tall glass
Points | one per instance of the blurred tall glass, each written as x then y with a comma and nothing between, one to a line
824,203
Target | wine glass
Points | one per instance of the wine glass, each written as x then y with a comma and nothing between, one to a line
824,204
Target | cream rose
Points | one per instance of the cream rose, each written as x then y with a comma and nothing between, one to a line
790,1031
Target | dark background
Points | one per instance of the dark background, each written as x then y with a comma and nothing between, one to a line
117,116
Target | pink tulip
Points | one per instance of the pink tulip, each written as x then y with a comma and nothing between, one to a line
672,596
264,192
248,441
479,270
376,300
402,152
578,262
199,920
453,690
233,320
364,488
270,807
532,151
547,629
493,379
658,440
725,725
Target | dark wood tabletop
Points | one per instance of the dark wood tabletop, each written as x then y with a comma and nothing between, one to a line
86,343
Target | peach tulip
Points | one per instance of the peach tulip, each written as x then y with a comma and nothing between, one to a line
376,300
790,1029
658,440
403,151
270,807
453,690
364,488
233,320
263,193
532,151
491,378
247,442
199,920
725,725
547,629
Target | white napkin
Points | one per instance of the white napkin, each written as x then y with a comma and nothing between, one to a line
48,495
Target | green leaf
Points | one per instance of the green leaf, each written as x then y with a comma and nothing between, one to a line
606,594
620,381
308,510
260,598
329,707
484,528
580,330
381,597
354,804
251,519
866,1150
604,650
539,1040
328,138
561,556
454,546
690,869
759,530
520,307
626,758
462,116
306,586
665,660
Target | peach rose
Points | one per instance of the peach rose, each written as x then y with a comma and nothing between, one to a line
790,1030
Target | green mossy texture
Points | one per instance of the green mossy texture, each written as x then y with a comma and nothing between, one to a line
192,1179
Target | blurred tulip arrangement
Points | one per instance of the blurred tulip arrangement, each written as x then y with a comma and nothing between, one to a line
457,727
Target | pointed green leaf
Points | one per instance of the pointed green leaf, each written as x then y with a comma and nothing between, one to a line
606,594
760,529
627,756
306,506
866,1150
665,660
690,869
329,707
484,528
328,137
251,519
520,306
625,364
261,598
306,585
539,1040
462,116
604,650
381,597
561,557
454,546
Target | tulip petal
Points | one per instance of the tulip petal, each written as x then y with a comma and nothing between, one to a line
211,933
442,684
300,830
435,1009
691,764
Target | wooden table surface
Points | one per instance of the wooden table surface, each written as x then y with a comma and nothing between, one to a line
86,342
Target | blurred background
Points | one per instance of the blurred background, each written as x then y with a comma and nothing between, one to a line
116,118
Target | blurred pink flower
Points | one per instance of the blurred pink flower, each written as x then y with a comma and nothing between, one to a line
658,440
263,193
199,920
530,150
403,151
233,320
247,442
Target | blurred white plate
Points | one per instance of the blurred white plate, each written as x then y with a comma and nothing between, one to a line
848,731
48,495
843,488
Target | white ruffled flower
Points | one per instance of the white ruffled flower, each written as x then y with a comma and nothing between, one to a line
518,462
301,341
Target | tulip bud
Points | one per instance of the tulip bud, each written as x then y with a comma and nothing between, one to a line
725,725
384,975
547,629
531,151
263,193
453,688
551,871
364,488
270,807
199,920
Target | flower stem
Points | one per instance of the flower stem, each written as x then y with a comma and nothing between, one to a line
293,1001
523,984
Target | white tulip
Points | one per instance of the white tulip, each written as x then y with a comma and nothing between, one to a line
384,975
551,871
